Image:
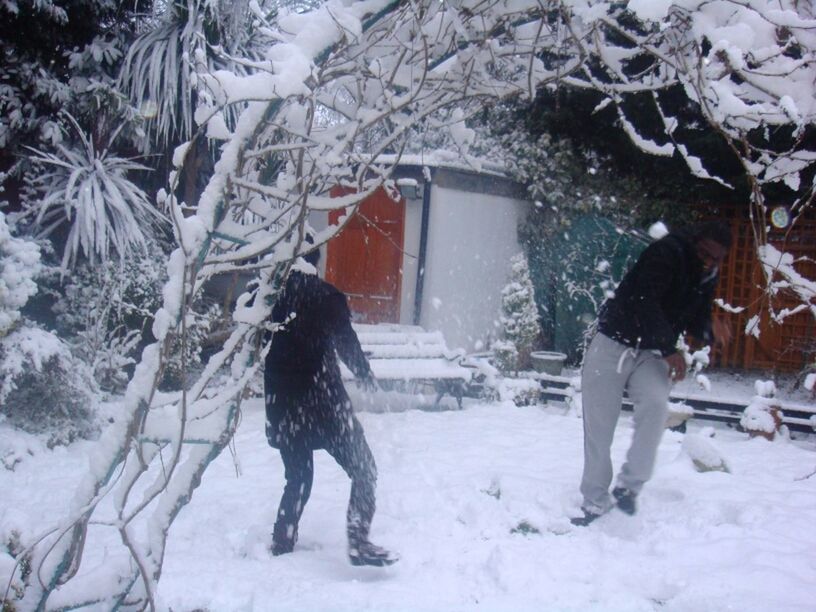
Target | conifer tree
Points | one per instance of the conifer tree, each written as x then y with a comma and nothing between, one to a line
519,319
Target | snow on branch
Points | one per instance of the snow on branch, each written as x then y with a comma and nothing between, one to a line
781,274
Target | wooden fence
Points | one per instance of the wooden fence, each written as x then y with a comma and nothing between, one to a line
785,347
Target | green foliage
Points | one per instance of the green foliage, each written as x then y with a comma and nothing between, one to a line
568,177
664,186
103,310
106,312
58,55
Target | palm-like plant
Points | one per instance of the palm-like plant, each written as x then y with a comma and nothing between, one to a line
88,188
156,73
158,70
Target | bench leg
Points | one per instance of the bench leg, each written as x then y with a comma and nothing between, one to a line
440,392
459,392
455,388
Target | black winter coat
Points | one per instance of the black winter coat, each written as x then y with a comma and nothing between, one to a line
663,295
305,396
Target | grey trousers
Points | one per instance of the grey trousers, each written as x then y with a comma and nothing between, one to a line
609,369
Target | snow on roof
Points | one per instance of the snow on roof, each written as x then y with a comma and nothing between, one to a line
449,160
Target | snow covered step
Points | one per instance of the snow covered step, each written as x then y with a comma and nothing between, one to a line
391,341
408,353
400,337
413,369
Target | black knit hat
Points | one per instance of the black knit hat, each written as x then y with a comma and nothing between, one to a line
718,231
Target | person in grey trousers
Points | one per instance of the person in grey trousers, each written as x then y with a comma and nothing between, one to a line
668,292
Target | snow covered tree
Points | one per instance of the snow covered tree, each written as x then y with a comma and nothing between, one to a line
66,131
58,55
519,319
347,73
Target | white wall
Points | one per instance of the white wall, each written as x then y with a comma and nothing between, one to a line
471,239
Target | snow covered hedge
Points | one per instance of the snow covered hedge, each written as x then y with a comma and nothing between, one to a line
43,387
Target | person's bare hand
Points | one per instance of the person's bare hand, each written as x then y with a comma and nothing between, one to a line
677,366
721,331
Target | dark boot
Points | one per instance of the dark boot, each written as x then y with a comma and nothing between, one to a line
284,537
586,519
366,553
362,552
625,499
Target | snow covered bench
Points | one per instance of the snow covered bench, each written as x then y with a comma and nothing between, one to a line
411,355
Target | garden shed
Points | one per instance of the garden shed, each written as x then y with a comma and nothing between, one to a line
438,257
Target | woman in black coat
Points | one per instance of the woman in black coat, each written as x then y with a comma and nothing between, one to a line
307,408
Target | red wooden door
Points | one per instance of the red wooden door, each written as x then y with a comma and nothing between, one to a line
365,259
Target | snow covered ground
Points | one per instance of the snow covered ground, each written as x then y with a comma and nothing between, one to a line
477,503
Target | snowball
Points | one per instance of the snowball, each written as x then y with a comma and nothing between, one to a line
658,230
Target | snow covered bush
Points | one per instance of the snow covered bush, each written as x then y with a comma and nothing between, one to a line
518,320
19,266
43,388
762,417
520,391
